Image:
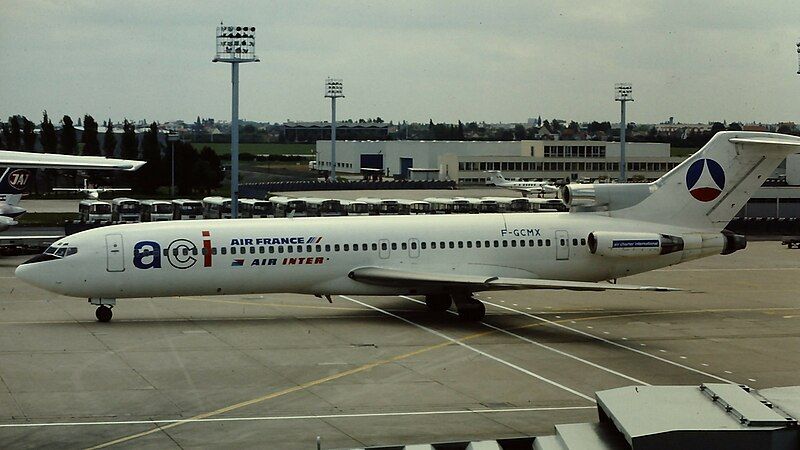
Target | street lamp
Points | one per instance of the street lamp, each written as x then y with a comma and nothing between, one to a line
623,93
172,138
235,44
333,90
798,56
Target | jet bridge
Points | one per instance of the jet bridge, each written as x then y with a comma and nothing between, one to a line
709,416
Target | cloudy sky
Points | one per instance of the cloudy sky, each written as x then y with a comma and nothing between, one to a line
496,61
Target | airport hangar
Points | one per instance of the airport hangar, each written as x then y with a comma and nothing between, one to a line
466,161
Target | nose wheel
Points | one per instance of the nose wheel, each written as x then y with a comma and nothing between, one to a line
469,308
103,313
104,305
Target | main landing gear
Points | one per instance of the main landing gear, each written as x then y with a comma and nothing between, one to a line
104,305
469,308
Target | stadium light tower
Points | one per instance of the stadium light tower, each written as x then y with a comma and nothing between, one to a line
333,90
623,93
798,56
235,44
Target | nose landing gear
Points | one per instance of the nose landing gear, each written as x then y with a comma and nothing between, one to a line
104,305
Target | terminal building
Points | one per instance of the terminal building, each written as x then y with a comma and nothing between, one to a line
466,161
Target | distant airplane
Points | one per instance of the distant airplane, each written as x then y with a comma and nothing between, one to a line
91,192
15,176
531,187
634,228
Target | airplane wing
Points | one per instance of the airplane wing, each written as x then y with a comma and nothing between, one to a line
27,160
391,277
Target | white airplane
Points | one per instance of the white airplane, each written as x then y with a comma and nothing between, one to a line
531,187
92,193
629,229
15,175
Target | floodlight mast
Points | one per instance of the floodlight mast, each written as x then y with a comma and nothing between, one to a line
333,90
235,44
623,93
798,56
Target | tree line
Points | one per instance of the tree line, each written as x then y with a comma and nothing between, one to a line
194,171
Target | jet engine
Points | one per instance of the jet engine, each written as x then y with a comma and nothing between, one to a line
632,245
610,196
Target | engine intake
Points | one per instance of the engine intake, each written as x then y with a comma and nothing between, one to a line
733,242
608,243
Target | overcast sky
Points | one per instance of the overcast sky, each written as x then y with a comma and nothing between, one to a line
496,61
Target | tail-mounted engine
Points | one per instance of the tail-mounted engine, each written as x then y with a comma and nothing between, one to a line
609,243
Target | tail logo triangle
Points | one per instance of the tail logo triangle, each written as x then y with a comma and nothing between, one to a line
705,179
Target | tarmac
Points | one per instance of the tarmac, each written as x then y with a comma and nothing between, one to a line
276,371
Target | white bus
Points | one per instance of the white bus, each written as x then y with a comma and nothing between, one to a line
384,206
355,207
289,207
185,209
217,208
324,207
156,210
126,210
510,204
251,207
92,211
547,204
441,205
415,207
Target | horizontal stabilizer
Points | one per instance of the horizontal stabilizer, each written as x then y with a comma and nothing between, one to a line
765,140
390,277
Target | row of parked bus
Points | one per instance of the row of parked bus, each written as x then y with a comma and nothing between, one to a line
128,210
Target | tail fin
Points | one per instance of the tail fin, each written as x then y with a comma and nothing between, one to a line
706,190
13,183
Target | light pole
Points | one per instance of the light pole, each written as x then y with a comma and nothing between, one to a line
623,93
333,90
798,56
235,44
172,138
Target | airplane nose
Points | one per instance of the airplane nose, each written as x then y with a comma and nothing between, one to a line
31,272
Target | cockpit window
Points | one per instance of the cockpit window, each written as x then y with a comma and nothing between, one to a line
61,250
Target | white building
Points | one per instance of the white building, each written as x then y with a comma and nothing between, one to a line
466,161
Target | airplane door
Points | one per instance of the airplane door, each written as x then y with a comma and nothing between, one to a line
562,245
383,248
413,248
115,255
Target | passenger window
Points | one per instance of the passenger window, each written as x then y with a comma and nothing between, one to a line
336,247
562,242
496,244
223,250
460,244
441,244
233,251
433,245
574,241
477,244
289,249
413,245
522,243
166,252
309,249
261,249
252,250
327,247
299,249
404,246
394,245
469,244
375,246
505,243
583,241
214,250
487,244
280,249
347,247
423,245
203,251
539,242
531,243
452,244
547,242
384,246
271,249
319,248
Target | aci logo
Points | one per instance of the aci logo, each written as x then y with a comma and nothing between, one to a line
705,179
18,179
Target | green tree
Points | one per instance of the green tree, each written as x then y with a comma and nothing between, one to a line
109,140
48,136
716,127
151,175
91,146
574,126
519,132
28,136
69,142
735,126
186,158
785,129
209,169
15,136
129,146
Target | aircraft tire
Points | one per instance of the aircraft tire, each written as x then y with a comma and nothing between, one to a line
103,313
472,312
438,303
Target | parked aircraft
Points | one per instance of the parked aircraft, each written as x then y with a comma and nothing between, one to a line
93,192
17,173
620,230
531,187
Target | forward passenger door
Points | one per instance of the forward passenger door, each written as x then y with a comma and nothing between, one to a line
562,245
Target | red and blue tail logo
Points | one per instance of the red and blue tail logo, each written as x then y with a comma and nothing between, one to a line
705,179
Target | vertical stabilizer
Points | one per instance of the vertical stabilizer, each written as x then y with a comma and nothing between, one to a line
706,190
